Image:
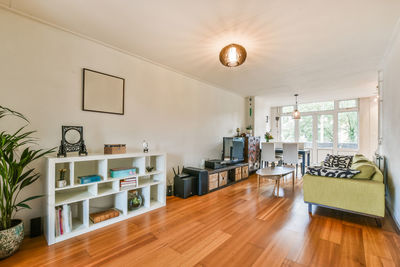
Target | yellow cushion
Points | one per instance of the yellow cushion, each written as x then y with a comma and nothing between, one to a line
367,170
359,158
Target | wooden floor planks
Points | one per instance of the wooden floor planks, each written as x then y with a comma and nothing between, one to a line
241,225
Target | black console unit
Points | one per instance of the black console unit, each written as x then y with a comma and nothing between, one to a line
192,181
201,180
184,185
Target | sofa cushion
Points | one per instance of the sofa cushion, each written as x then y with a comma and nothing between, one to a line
367,170
332,172
338,161
359,158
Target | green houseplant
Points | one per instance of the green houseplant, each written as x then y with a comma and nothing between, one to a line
15,173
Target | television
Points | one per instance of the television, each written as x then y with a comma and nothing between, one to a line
233,149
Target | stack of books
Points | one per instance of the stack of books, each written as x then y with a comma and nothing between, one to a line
63,219
128,182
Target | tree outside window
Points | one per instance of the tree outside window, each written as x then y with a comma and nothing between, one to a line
348,130
287,129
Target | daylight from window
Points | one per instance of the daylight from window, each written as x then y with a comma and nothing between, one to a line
325,125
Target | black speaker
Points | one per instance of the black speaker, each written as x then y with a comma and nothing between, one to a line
36,227
183,185
201,183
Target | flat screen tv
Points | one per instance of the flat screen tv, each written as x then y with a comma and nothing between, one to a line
233,149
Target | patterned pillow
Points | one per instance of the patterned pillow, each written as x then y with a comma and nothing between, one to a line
332,172
337,161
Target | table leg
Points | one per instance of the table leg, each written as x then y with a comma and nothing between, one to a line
308,158
273,191
303,163
279,181
293,181
258,180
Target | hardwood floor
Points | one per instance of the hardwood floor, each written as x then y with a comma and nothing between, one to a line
235,226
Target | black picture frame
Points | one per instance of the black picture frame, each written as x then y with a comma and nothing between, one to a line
84,70
69,147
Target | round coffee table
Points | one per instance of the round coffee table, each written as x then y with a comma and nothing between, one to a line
275,173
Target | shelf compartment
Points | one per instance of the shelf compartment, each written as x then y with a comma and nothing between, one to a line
157,194
137,163
69,167
107,188
148,180
113,201
90,167
157,162
75,194
79,217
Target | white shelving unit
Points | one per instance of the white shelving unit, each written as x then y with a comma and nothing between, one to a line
87,198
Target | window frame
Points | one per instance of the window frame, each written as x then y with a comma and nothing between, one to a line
335,112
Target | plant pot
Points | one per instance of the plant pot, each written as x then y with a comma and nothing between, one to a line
11,238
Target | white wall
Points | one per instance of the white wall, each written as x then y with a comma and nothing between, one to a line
391,123
368,115
41,76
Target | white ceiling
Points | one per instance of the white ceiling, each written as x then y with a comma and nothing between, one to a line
323,48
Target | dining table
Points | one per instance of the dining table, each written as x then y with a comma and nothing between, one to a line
304,153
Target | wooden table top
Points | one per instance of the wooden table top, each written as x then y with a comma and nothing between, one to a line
274,171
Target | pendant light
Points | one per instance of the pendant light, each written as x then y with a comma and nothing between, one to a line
296,112
232,55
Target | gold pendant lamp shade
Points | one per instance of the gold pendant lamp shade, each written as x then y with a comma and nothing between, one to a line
232,55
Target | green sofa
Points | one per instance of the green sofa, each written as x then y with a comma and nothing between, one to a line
363,194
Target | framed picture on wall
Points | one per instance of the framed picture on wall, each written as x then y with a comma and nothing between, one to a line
103,92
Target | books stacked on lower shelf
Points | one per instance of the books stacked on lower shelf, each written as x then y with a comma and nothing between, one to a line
103,215
63,219
131,182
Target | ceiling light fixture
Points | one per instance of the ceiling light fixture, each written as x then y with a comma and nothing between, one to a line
232,55
296,112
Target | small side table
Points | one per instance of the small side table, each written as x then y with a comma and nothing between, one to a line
275,173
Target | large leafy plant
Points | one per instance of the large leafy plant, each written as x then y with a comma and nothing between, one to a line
15,156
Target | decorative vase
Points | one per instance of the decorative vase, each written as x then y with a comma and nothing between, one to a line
135,200
11,238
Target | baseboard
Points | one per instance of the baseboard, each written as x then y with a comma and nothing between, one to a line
396,220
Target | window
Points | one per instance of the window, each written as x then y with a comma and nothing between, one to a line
306,131
287,129
348,103
318,106
325,131
348,130
287,109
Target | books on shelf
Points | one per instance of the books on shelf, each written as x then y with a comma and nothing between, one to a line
63,219
122,172
128,182
103,215
89,179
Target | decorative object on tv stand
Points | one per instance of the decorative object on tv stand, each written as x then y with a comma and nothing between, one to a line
89,179
249,130
15,176
232,55
145,146
62,182
114,149
135,200
268,136
237,132
103,92
72,141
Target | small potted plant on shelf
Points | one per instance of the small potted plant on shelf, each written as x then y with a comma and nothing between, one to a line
249,130
16,175
268,136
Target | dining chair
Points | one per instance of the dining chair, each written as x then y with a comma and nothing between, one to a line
268,154
291,155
